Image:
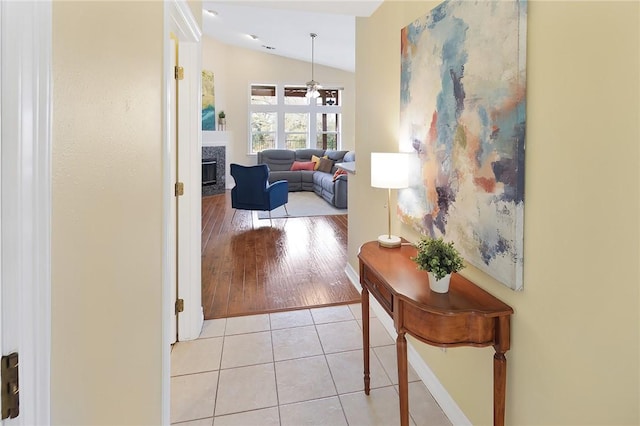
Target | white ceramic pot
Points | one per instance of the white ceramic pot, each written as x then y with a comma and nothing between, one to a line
439,286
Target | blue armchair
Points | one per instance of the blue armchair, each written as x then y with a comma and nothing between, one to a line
253,191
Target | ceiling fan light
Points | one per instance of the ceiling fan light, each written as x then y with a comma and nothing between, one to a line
312,86
312,89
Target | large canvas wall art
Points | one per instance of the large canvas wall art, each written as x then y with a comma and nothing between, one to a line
208,101
462,115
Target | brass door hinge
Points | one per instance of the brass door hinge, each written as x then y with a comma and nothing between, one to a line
179,189
178,73
10,386
179,306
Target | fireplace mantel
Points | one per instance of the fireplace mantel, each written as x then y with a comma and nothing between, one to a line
216,138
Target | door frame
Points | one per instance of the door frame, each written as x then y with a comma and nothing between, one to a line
179,20
25,40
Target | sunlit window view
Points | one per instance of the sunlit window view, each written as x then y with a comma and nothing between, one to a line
263,95
296,129
295,96
327,131
263,130
283,117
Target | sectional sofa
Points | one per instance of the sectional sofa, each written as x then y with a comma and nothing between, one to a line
319,177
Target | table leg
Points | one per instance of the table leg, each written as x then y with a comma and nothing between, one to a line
403,378
499,387
365,338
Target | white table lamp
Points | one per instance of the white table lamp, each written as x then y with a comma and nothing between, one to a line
389,170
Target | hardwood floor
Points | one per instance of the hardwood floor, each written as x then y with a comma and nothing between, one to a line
249,267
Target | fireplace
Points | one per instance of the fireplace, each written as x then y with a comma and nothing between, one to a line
209,170
213,170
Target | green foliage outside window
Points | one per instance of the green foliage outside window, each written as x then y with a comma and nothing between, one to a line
279,121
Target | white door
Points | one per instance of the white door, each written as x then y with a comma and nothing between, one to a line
25,201
182,144
172,232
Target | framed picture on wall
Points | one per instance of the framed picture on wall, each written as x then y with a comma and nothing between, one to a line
462,116
208,101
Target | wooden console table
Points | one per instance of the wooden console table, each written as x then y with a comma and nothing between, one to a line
466,316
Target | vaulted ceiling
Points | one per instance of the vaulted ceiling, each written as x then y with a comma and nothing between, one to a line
283,27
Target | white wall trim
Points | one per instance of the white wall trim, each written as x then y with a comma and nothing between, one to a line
178,20
354,277
440,394
26,167
181,21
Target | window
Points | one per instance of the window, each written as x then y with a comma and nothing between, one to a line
283,117
263,95
296,129
295,96
263,130
327,131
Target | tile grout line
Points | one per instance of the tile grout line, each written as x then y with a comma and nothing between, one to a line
249,365
275,372
324,353
335,386
224,336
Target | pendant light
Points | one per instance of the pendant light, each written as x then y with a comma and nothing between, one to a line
312,86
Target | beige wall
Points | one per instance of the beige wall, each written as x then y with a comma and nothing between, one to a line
236,68
575,345
107,211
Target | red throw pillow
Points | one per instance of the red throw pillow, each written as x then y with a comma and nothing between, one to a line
337,174
302,165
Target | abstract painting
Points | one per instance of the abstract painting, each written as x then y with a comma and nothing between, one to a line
462,116
208,101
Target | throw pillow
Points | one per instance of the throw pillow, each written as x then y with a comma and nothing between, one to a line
325,165
339,173
303,165
316,160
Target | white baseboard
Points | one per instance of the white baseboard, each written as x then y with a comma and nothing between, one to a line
354,277
440,394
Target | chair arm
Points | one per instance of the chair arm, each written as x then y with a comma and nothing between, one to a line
278,193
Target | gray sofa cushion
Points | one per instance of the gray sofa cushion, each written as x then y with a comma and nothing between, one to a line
336,156
334,192
277,159
307,180
305,154
294,179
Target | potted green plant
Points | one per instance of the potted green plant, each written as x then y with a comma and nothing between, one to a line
222,120
440,259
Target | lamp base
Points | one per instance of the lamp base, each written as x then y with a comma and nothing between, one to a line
389,241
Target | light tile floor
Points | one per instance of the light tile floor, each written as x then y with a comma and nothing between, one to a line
289,369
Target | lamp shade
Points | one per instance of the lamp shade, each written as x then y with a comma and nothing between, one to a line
389,170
